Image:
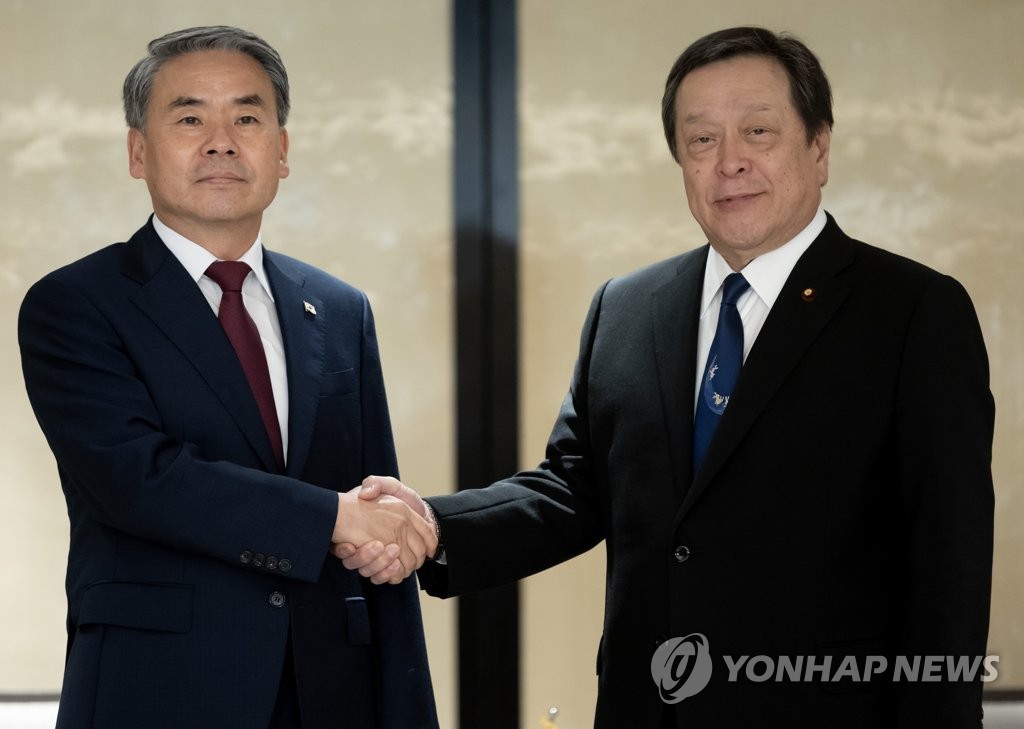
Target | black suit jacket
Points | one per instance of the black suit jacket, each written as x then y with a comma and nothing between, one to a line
191,556
844,507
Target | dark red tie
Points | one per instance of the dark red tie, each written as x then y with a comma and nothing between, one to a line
245,338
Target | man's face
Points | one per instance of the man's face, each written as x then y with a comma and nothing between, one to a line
752,180
212,152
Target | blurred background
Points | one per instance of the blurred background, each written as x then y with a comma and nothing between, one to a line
927,160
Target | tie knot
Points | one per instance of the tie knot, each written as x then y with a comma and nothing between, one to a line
733,288
229,275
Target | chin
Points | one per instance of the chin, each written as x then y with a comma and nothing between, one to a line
745,240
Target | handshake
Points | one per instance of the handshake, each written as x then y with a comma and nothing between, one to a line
384,530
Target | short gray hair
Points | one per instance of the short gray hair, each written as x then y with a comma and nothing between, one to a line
138,85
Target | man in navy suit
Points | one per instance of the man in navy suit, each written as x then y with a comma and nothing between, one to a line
839,507
205,485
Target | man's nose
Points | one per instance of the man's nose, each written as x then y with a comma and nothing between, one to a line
733,156
220,142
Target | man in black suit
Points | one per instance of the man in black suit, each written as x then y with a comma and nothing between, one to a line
792,466
209,402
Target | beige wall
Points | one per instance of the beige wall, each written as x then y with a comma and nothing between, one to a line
368,200
927,160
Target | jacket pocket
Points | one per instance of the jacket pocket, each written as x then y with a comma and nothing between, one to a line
338,383
165,607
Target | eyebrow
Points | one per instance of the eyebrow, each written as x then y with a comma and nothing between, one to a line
187,101
250,100
754,109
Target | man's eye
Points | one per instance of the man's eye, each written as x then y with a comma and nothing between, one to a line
248,120
190,120
703,140
757,131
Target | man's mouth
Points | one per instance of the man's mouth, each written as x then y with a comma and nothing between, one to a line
731,201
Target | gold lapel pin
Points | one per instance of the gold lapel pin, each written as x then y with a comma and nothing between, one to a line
807,294
310,309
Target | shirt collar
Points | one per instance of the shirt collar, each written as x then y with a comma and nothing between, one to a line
767,273
197,259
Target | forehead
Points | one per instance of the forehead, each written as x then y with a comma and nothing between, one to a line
209,71
740,83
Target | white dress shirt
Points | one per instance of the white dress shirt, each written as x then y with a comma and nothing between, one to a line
766,275
256,296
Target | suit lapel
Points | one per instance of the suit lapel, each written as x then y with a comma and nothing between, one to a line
174,303
793,324
302,317
674,310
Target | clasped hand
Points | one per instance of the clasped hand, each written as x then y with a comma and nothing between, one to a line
383,530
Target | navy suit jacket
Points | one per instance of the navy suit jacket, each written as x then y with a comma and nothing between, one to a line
844,506
192,557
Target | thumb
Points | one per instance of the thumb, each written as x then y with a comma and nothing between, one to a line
374,486
371,488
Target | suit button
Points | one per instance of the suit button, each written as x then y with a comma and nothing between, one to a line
245,557
271,563
258,560
681,554
285,565
277,599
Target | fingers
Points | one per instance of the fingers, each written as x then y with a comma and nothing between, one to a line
383,563
373,560
354,557
392,574
392,564
345,550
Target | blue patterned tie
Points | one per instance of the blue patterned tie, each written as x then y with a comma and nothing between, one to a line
723,368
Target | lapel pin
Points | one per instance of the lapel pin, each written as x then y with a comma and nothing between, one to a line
310,309
807,294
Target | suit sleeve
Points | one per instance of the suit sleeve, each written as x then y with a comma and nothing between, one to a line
945,417
536,519
118,463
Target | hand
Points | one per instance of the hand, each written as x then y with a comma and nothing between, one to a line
373,559
389,521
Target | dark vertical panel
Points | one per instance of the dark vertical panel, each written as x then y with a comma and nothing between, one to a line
486,231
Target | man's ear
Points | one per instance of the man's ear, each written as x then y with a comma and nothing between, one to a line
136,154
820,146
284,170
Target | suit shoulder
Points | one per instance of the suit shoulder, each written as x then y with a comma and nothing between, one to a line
657,274
93,271
884,261
316,279
896,277
894,282
106,258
